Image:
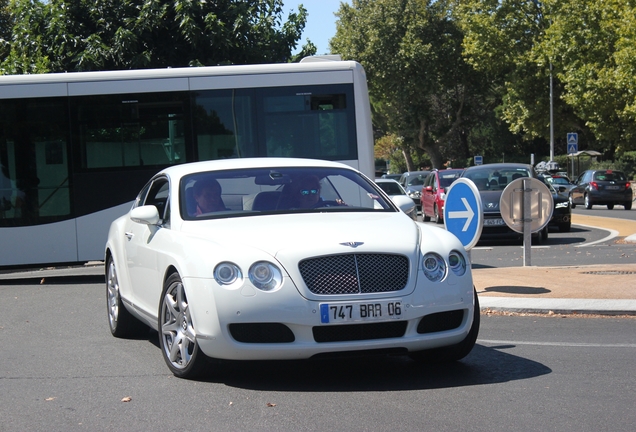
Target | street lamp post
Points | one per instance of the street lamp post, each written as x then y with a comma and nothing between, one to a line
551,117
539,5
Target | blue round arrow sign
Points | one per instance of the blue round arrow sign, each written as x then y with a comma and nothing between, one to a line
463,212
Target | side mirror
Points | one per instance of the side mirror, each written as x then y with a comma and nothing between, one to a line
405,204
147,214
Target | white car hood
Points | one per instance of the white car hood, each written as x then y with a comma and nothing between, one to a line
312,234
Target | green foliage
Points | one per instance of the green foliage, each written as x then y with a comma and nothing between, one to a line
587,44
626,163
420,86
75,35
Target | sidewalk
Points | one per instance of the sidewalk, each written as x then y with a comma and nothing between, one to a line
608,289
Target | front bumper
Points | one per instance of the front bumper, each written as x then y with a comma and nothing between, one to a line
247,324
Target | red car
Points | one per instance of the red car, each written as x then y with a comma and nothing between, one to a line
434,193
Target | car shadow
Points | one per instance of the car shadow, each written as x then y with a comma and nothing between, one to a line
484,365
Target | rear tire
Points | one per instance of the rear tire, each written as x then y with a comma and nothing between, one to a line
177,336
455,352
437,219
628,205
588,202
122,324
610,206
540,237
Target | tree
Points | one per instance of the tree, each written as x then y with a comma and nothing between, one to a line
419,83
74,35
589,46
593,41
6,23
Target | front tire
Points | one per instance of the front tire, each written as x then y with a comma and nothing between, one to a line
565,227
122,324
177,336
572,205
610,206
455,352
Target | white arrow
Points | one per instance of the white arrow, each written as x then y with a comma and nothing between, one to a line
468,214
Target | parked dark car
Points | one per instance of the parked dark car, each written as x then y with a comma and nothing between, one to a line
602,187
434,193
560,183
491,180
562,213
412,182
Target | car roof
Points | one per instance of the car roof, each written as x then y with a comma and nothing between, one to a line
240,163
500,166
385,180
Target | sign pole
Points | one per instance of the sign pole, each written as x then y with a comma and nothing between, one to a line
527,219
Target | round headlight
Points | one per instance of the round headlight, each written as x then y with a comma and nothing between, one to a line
265,276
227,273
434,267
457,263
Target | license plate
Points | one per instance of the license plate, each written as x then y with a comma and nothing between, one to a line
613,187
494,222
361,311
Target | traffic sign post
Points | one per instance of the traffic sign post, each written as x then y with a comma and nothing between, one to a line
573,146
526,206
479,160
463,212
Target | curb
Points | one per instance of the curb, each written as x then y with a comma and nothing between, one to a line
558,306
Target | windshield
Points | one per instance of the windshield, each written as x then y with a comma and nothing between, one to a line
558,181
489,178
245,192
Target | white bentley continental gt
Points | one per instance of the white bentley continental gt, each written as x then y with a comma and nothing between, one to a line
280,258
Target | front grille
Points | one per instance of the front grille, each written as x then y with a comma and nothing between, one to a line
355,273
440,321
261,333
357,332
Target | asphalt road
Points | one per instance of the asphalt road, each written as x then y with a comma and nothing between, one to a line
617,212
61,370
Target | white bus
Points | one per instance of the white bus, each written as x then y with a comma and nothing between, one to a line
75,148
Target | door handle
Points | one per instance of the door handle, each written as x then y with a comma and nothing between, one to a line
129,235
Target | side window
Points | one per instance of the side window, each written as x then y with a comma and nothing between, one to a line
579,180
139,201
158,195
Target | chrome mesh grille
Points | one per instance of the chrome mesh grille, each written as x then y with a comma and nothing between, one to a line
355,273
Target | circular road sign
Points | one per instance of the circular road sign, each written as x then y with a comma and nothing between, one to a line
541,204
463,212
